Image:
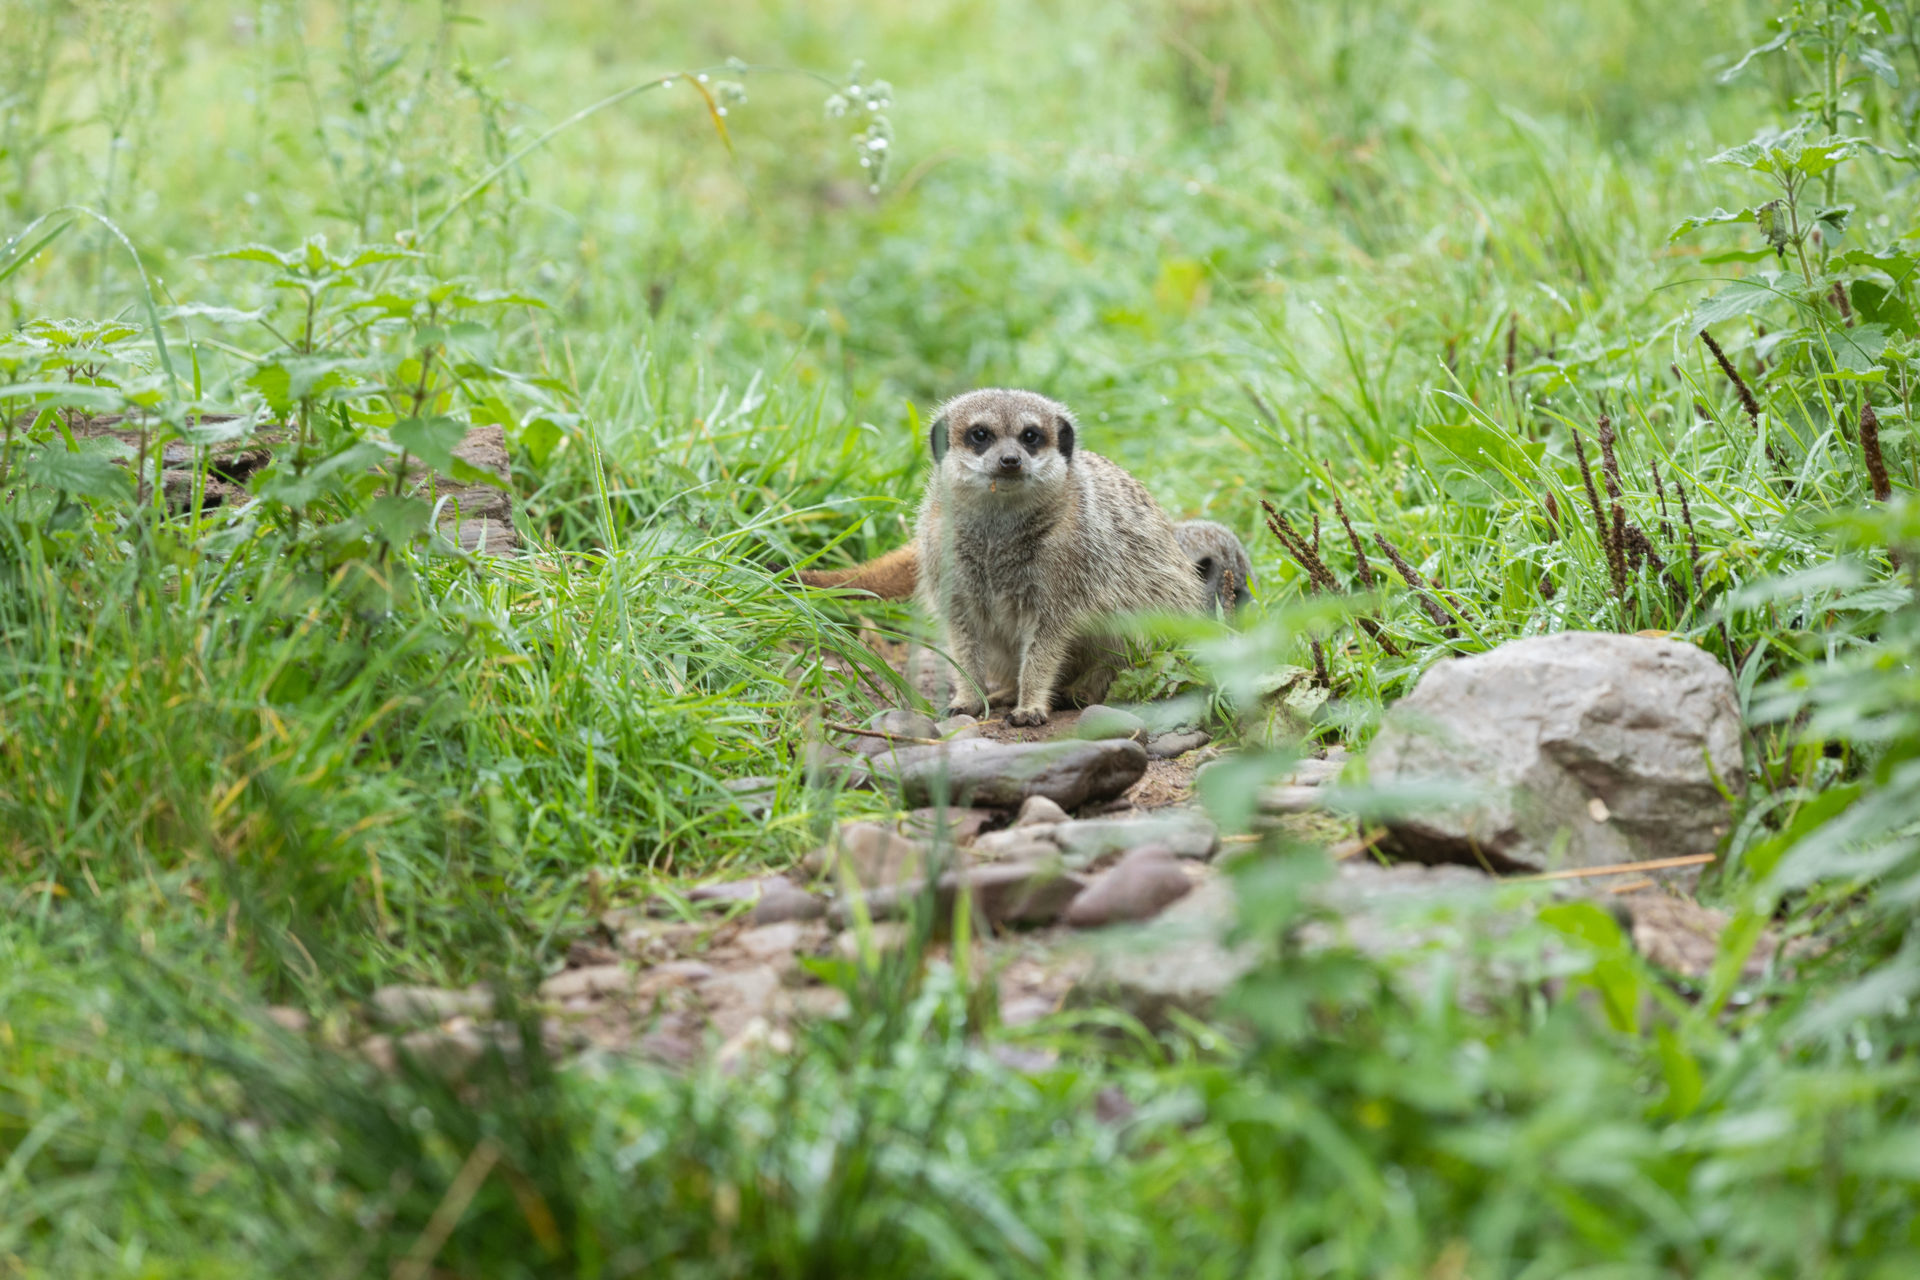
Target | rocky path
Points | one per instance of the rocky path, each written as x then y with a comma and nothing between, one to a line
1092,877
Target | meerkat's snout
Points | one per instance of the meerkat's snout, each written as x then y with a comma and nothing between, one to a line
1011,462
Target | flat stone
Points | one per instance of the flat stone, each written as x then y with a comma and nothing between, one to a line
601,981
1313,773
1165,746
1138,887
770,942
830,767
1575,749
956,826
734,999
1039,809
872,855
884,936
1016,844
1681,935
753,795
289,1019
1290,798
1179,963
1184,833
401,1005
896,723
783,902
730,891
957,727
1102,722
1002,775
1002,893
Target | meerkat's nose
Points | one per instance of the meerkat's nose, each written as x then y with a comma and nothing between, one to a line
1009,462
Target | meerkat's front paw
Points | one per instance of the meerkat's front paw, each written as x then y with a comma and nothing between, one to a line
966,707
1023,717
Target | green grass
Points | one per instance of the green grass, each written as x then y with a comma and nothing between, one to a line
1393,252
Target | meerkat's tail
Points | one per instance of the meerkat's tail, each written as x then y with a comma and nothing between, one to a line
892,577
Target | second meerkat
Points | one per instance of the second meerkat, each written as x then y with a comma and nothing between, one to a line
1026,540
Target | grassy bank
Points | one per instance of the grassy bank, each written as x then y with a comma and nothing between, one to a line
1403,257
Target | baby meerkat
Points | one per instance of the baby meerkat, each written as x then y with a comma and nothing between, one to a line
1220,560
1026,540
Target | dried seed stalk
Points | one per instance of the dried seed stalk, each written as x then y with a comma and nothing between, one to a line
1360,564
1693,538
1617,552
1513,336
1666,517
1601,529
1303,554
1839,296
1423,591
1870,450
1747,401
1609,464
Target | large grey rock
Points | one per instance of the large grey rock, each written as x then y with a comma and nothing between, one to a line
1002,775
1576,749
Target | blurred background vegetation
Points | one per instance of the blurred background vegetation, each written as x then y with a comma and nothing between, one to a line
1266,249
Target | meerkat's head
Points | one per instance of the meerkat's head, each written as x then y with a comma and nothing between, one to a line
1013,445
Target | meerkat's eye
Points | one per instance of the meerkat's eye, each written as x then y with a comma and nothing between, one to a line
1031,436
979,435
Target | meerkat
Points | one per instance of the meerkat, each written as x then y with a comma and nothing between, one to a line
1221,561
1026,541
1218,558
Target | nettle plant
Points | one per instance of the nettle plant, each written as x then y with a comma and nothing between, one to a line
371,386
370,381
1844,312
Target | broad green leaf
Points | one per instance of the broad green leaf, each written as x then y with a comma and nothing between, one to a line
256,253
1858,349
540,437
1877,304
1486,449
398,519
91,473
1742,297
212,314
1718,218
432,440
1878,63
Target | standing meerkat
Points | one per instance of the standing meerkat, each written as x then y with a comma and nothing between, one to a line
1026,541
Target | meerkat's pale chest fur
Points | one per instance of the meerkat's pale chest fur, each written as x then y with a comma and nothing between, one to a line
1026,541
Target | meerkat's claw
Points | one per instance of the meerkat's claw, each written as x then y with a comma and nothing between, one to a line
1023,717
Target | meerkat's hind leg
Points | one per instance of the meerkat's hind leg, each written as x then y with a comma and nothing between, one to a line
1090,670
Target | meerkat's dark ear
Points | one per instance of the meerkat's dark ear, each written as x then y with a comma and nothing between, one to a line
937,438
1063,436
1205,565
